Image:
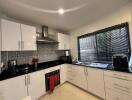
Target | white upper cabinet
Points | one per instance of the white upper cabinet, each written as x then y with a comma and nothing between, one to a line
63,40
16,36
11,35
0,37
28,37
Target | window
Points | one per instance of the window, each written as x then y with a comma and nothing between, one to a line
102,44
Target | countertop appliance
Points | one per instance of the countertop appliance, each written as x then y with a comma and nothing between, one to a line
66,59
12,63
120,62
1,67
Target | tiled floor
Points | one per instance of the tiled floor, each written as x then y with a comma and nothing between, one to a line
69,92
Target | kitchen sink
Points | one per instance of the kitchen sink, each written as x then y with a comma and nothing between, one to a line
94,64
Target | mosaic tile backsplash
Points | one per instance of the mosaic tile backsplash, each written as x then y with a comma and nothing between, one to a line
45,52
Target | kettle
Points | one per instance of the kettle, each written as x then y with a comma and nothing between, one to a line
12,63
1,67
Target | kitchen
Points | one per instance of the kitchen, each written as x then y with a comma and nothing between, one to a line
59,54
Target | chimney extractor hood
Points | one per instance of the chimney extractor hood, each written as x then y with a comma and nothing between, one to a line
44,37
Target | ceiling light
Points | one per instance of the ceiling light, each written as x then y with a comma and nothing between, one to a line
61,11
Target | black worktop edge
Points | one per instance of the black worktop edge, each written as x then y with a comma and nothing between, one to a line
43,66
103,68
2,77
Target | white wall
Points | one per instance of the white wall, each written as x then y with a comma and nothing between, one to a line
122,15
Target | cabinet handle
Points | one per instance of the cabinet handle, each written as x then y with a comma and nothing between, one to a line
25,81
64,46
22,44
121,86
29,79
120,78
69,71
121,89
120,75
86,71
117,98
19,45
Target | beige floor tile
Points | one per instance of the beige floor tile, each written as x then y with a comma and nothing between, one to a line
69,92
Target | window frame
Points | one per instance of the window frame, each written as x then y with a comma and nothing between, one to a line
126,24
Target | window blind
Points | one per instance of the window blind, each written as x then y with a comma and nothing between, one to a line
102,44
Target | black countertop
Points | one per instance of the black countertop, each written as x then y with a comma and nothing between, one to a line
25,69
110,67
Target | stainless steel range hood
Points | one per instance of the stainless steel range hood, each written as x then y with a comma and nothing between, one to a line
44,36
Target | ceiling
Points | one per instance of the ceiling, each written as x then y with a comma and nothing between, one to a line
44,12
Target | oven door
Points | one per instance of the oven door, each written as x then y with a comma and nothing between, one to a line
47,75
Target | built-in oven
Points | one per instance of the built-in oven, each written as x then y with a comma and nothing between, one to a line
47,76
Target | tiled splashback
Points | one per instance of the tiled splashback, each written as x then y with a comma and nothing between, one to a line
45,53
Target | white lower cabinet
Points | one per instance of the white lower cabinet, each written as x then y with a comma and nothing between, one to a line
118,85
19,87
63,73
113,95
36,84
96,82
76,75
81,79
108,85
14,88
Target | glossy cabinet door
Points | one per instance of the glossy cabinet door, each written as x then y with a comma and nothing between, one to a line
67,42
36,84
114,95
80,76
96,82
118,85
11,35
64,72
28,37
63,40
1,92
76,75
14,88
0,37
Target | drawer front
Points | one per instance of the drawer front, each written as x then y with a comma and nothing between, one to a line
113,95
52,69
124,86
120,75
